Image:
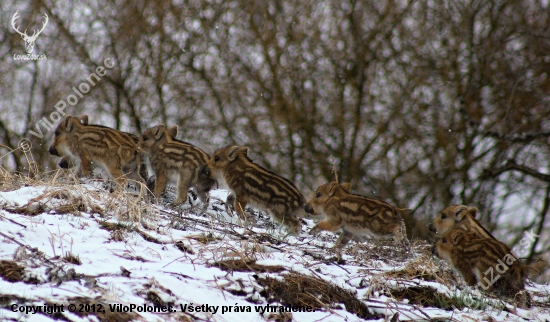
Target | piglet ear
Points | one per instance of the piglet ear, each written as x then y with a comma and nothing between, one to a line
457,237
173,131
346,186
244,150
83,119
158,131
232,152
67,123
460,213
472,211
332,188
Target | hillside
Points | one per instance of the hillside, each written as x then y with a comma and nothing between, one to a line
65,242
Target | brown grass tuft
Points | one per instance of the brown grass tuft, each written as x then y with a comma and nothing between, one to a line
184,248
242,265
154,298
423,295
64,194
8,299
204,238
12,181
13,272
71,258
422,267
301,290
119,231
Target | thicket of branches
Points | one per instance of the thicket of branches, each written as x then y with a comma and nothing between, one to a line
421,103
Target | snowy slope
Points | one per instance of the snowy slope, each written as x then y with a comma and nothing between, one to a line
132,252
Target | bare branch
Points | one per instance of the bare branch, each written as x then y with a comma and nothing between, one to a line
511,165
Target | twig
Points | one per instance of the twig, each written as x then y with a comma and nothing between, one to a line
174,261
26,246
13,221
512,165
12,239
150,238
179,274
334,170
342,267
221,289
226,231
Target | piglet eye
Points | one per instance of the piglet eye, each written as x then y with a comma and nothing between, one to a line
317,195
216,158
443,216
444,240
56,133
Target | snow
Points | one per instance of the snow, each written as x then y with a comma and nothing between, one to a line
21,196
185,278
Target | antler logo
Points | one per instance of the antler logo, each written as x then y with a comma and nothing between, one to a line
29,40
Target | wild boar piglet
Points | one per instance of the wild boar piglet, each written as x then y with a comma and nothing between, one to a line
251,184
87,146
482,261
355,215
458,216
175,161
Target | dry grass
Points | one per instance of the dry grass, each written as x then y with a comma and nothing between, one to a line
542,304
9,299
242,265
119,232
184,248
61,200
13,272
423,295
64,194
154,298
13,181
422,267
71,258
296,289
279,317
204,238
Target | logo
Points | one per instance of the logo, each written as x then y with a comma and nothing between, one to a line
29,40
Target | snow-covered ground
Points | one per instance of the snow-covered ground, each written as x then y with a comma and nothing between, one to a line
151,257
